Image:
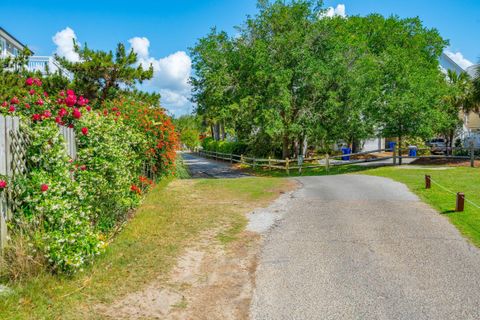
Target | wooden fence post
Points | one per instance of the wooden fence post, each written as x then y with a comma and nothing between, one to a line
287,166
254,163
472,155
270,163
327,162
394,150
241,158
460,203
428,184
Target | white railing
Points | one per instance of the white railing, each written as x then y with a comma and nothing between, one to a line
40,63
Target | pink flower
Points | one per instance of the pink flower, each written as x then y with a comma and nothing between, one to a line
32,92
14,100
44,187
88,108
45,94
47,114
36,117
4,104
29,82
37,82
70,100
83,167
76,113
62,112
84,131
58,120
27,106
39,102
81,101
62,93
12,108
3,184
70,92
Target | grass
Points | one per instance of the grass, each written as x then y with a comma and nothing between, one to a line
334,170
456,179
172,216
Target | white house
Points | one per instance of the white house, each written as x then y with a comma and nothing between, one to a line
10,46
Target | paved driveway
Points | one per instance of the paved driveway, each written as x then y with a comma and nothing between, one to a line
200,167
362,247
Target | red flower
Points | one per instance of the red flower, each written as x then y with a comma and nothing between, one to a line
3,184
32,92
12,108
44,187
36,117
84,131
83,167
29,82
45,94
39,102
37,82
70,92
88,108
70,100
62,93
62,112
81,101
14,100
58,120
4,104
27,106
47,114
76,113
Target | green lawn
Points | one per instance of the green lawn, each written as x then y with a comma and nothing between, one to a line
456,179
169,220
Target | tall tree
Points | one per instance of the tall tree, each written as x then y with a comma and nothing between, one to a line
99,75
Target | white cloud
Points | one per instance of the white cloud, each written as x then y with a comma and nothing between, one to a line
171,75
332,12
64,41
459,59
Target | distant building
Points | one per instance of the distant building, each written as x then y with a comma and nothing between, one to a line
10,46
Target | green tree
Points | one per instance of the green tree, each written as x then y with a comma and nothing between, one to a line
101,75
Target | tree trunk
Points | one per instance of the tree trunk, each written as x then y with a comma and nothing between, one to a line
356,145
286,142
212,131
217,131
296,148
305,146
399,149
222,127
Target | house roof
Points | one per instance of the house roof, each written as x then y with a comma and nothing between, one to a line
18,42
474,71
448,63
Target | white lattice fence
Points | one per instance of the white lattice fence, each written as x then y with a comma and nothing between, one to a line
13,163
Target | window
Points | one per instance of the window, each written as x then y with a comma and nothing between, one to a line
2,46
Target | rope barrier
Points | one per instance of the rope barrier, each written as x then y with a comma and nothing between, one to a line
454,193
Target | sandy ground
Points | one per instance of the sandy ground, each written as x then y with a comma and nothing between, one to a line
210,281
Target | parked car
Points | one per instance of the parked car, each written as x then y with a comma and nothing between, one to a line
437,145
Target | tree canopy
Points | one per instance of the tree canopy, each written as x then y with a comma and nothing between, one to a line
293,78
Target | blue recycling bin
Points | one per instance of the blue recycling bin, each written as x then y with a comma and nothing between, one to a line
412,151
391,145
346,151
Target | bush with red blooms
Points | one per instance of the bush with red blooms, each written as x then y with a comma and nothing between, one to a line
71,204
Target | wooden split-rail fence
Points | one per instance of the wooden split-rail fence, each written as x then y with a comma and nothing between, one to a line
13,162
385,156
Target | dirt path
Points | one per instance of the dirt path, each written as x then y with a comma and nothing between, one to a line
210,281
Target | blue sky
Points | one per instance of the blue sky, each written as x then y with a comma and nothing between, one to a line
173,26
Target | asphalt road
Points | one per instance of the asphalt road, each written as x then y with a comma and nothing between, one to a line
207,168
361,247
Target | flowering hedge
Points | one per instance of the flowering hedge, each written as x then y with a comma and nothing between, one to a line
68,206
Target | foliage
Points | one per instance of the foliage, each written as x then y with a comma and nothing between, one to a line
101,75
294,78
189,129
69,207
211,144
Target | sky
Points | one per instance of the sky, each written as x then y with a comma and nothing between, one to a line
161,31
